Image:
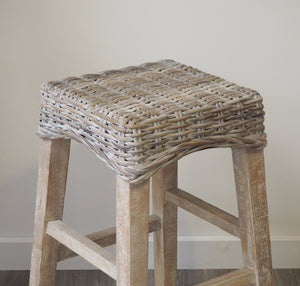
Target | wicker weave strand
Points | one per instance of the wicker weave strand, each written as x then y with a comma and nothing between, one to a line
141,118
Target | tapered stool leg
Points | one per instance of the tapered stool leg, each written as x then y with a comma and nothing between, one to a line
165,239
132,233
249,173
53,166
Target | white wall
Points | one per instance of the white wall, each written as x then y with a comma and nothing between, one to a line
251,42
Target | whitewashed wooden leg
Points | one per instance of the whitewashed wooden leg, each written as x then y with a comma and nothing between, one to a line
132,233
249,172
53,167
165,239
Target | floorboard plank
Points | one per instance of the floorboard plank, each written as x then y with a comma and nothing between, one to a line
282,277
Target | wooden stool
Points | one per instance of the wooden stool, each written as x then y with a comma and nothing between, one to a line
141,120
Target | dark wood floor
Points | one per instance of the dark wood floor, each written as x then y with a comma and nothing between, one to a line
283,277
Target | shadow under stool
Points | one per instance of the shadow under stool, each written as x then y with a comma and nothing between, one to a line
141,120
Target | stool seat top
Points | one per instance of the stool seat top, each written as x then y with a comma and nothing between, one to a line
140,118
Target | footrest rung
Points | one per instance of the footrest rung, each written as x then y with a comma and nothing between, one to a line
83,246
241,277
204,210
105,237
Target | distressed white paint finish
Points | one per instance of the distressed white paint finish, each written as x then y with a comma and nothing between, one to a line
86,248
106,237
132,233
249,173
241,277
165,240
204,210
53,167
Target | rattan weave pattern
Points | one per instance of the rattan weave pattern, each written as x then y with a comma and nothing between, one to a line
140,118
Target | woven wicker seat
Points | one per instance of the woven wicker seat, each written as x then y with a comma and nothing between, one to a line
140,118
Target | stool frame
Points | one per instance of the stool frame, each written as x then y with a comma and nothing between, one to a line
54,241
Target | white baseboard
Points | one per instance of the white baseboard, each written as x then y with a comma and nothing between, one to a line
194,252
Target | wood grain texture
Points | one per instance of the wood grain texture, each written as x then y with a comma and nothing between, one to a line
86,248
53,167
165,239
204,210
249,173
105,238
241,277
132,233
282,277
